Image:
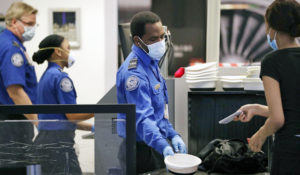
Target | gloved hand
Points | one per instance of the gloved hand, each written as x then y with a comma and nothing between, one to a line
168,151
178,144
93,128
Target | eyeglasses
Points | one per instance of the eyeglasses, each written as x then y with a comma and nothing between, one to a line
29,23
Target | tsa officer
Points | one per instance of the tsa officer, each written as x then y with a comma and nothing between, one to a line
18,83
56,135
139,82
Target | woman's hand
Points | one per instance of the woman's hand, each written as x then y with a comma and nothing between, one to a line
257,141
248,112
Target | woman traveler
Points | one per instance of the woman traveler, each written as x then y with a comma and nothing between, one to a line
280,73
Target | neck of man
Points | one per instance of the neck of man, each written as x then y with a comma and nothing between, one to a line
15,32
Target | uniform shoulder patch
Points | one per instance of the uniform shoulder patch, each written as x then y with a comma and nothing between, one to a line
17,60
66,85
133,63
132,83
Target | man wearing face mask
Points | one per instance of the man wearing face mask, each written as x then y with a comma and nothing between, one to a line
18,81
139,82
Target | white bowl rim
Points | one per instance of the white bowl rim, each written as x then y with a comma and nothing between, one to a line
201,66
200,81
176,166
202,71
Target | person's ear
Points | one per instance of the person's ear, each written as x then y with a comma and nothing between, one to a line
13,21
58,52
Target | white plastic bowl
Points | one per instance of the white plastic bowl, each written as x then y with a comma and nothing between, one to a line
253,84
201,75
253,68
202,66
232,83
239,78
257,80
253,73
202,84
210,70
182,163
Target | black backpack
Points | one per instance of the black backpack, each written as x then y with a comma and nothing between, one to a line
231,156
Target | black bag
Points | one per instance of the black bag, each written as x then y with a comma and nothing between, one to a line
231,156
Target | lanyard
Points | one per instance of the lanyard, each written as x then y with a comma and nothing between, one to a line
156,73
24,52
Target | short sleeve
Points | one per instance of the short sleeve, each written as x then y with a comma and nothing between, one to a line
66,93
270,67
13,70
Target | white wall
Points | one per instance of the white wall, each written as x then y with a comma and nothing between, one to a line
88,71
5,5
110,42
96,60
213,30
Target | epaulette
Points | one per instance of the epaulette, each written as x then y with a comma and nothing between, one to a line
133,63
16,44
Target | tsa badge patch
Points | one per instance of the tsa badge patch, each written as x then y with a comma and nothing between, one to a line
66,85
132,83
17,60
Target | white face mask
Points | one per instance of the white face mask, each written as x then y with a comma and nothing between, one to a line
156,50
29,32
71,60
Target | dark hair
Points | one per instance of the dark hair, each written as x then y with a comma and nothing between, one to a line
284,16
139,20
50,41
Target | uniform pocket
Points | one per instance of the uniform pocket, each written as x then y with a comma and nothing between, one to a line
156,89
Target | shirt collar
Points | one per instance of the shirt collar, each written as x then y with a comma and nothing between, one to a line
13,37
52,64
141,54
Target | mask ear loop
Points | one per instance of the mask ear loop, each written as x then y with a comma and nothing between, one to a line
141,45
48,48
275,36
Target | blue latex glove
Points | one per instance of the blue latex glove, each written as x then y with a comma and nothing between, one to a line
168,151
178,144
93,128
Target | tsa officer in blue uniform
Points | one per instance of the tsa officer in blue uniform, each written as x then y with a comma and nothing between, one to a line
56,135
18,83
139,82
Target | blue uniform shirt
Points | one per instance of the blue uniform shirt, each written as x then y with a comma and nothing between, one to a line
14,68
55,87
139,82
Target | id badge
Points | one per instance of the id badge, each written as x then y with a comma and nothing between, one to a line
166,113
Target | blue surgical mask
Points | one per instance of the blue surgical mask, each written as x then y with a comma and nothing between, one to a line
273,43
